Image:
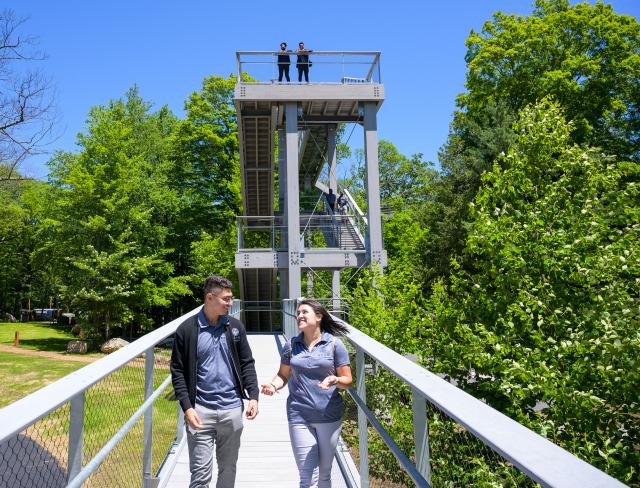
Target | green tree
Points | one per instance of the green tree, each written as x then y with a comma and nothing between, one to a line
213,255
405,187
585,56
545,326
17,278
111,213
206,168
403,180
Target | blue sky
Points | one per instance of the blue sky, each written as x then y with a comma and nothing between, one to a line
98,50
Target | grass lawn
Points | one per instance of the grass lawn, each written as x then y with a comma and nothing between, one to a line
22,375
109,403
36,335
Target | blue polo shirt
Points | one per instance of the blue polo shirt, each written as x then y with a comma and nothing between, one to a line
307,402
215,388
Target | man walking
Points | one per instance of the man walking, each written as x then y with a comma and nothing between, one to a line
213,370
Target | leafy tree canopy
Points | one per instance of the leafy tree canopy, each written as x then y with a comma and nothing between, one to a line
111,208
548,315
586,57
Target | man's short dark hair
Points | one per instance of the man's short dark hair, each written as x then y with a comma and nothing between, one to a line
214,284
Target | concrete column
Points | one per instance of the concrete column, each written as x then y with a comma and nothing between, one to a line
332,157
293,200
372,180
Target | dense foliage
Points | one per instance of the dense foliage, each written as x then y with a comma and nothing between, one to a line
516,275
127,226
585,56
545,326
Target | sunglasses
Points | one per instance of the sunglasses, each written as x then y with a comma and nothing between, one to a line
228,299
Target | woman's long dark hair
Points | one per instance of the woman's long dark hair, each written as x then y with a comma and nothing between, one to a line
327,324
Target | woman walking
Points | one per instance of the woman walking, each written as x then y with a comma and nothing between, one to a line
316,365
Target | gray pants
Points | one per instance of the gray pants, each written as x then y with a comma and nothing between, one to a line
314,447
222,428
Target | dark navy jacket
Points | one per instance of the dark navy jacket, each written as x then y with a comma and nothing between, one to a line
283,57
302,60
184,361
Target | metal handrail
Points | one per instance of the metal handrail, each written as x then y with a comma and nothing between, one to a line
314,223
18,416
535,456
538,458
356,216
343,59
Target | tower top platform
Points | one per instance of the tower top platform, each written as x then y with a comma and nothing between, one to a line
334,77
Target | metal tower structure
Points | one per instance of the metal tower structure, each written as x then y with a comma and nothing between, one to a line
287,135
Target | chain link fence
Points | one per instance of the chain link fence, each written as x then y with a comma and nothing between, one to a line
37,457
41,454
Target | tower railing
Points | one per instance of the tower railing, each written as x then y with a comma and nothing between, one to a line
327,67
260,233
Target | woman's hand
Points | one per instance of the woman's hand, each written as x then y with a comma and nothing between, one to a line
328,382
268,389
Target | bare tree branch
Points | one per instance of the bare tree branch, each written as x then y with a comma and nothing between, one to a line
27,112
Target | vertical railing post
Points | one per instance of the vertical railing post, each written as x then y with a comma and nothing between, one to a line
363,439
148,420
421,434
76,436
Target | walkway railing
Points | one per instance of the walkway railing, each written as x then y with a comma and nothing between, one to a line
355,215
108,424
327,67
259,233
457,439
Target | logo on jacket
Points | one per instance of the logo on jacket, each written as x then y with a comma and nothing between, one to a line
235,332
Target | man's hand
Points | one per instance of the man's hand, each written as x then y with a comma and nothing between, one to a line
252,409
192,419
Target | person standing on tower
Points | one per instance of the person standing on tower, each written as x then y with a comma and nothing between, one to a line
303,63
283,62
